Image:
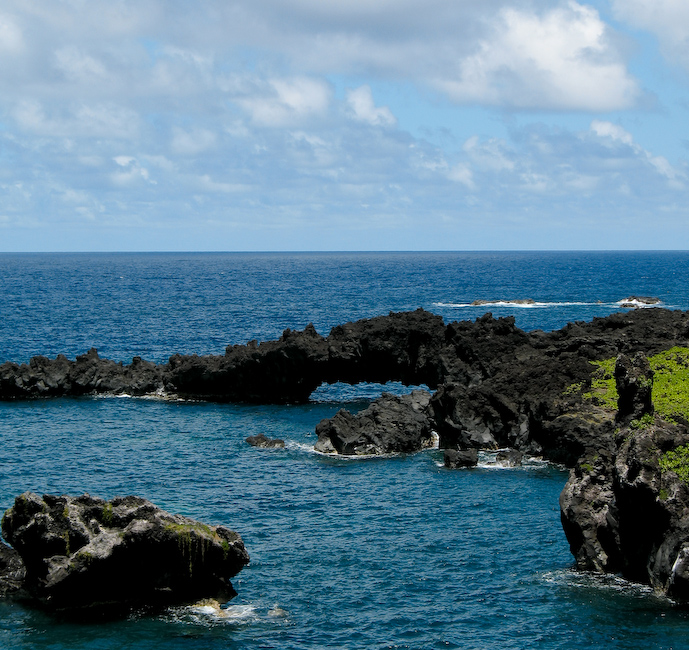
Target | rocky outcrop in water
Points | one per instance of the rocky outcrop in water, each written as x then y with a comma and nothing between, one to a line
391,424
92,556
497,386
404,347
262,441
625,510
460,458
87,375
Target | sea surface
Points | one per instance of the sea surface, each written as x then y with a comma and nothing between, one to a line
393,552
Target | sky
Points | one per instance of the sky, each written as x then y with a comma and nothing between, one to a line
262,125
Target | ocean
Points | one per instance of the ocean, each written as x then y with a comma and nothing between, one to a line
393,552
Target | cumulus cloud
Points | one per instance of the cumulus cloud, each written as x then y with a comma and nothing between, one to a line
508,53
362,107
667,19
129,171
614,135
76,121
461,173
283,102
191,142
182,107
79,67
11,37
561,59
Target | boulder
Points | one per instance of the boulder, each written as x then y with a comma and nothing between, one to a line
264,442
391,424
93,556
458,458
509,458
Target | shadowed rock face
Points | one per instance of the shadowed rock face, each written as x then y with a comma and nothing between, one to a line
12,571
634,380
94,556
625,510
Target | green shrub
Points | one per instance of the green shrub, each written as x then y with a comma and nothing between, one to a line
603,391
670,392
677,461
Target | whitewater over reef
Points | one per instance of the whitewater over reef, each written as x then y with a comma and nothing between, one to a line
393,551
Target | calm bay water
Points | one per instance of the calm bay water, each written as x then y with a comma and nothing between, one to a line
378,553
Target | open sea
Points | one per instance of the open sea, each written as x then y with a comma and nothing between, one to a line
392,552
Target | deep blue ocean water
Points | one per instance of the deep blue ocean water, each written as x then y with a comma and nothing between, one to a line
369,553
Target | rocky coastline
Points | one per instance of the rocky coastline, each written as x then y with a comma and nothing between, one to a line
492,386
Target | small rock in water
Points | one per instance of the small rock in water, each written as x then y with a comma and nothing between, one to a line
509,458
634,302
456,458
264,442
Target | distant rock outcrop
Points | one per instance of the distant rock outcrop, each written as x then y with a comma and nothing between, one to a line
90,556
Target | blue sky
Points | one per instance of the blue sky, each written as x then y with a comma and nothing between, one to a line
343,125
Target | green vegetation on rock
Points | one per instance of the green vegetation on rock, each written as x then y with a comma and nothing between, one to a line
603,391
670,384
677,461
644,422
106,516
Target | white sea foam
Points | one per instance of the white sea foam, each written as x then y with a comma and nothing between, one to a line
213,612
488,460
605,582
619,304
291,445
533,305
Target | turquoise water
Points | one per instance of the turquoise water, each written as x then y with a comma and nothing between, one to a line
375,553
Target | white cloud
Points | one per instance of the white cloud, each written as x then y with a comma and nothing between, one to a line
79,67
615,134
613,131
80,121
493,154
667,19
362,107
461,173
11,38
282,102
192,142
561,59
540,54
131,172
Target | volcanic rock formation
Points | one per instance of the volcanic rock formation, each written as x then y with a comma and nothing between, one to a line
625,510
391,424
93,556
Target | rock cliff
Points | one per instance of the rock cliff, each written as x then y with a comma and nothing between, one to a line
626,509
